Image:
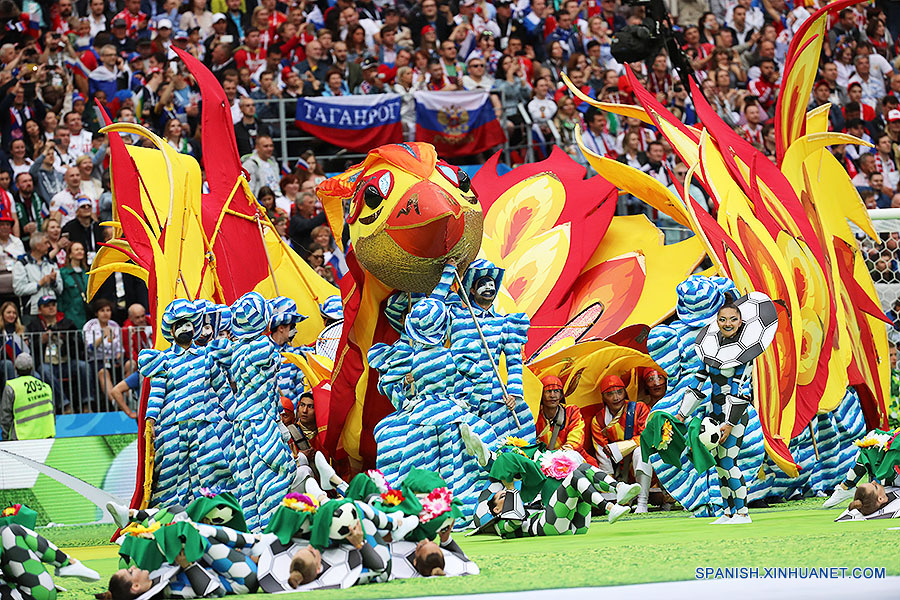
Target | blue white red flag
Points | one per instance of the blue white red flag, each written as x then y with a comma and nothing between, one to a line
359,123
457,123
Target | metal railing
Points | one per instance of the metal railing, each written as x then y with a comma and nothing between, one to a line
81,373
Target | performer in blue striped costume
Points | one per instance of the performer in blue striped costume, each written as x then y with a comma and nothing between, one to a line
263,464
672,348
290,377
177,393
418,374
505,336
214,431
219,357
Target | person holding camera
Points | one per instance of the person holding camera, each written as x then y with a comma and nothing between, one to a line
19,105
373,81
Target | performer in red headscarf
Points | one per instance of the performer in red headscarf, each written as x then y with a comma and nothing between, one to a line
558,426
616,432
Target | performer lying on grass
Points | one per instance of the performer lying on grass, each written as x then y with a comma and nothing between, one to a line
429,508
165,552
879,459
23,554
558,490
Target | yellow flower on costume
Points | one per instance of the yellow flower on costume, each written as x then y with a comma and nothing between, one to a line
137,529
514,441
870,440
392,498
666,435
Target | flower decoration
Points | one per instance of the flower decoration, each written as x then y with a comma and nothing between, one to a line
873,439
379,480
392,497
666,435
301,502
136,529
516,442
209,492
435,504
10,511
557,464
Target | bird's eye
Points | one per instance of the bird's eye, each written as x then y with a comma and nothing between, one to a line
371,192
465,184
372,196
456,176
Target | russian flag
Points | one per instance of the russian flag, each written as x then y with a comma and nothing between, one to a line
358,123
457,123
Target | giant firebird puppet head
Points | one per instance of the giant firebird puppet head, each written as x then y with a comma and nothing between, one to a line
409,214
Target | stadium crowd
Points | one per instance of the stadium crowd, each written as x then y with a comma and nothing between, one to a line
58,58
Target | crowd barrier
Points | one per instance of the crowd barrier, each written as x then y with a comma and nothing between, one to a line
81,372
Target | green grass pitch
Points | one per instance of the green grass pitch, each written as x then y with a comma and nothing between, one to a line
637,549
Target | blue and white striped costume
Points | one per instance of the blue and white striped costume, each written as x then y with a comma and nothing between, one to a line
290,378
221,396
672,348
176,401
835,433
263,464
505,336
424,431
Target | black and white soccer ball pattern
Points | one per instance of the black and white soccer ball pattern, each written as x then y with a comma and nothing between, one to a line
483,515
403,553
341,566
760,319
709,433
891,510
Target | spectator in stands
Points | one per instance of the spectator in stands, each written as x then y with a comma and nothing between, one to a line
103,342
58,242
866,168
261,167
822,95
135,333
266,199
872,85
34,275
18,159
48,179
110,76
883,273
596,137
476,78
73,299
372,80
90,186
65,202
12,248
303,220
249,127
335,84
765,87
752,129
333,256
26,406
84,229
656,163
58,356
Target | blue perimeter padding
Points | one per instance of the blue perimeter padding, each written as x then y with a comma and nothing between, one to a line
82,425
